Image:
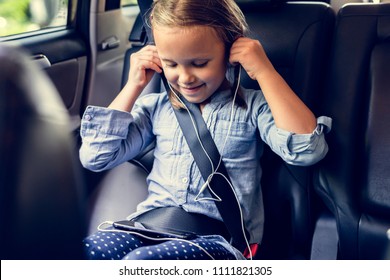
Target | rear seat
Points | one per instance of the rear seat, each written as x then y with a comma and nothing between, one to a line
354,180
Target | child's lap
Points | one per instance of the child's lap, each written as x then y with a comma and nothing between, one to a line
123,245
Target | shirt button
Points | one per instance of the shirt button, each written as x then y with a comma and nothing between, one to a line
184,180
87,117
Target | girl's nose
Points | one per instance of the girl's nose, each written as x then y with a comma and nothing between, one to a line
186,77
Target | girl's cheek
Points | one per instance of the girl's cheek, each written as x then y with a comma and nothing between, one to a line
170,75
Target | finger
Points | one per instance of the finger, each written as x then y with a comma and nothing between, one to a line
151,56
234,57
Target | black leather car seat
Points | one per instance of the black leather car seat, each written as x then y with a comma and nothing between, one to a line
41,213
354,180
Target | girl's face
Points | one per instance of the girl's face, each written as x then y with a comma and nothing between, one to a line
193,60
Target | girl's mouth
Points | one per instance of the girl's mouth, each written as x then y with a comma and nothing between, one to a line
190,90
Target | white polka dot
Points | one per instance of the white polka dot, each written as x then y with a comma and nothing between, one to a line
138,253
150,253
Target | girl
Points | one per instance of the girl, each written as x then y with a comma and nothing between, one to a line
195,42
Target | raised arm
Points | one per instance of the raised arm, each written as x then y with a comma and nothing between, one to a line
143,64
289,112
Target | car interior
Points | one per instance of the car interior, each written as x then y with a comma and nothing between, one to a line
335,56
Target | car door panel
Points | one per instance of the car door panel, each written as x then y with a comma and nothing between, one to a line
63,55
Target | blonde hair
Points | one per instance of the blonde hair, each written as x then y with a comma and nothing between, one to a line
224,16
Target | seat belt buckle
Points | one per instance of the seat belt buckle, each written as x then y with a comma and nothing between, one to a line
253,248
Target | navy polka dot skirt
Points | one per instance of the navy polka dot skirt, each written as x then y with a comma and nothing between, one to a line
116,245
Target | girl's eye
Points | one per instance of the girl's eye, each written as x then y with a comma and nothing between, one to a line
170,65
202,64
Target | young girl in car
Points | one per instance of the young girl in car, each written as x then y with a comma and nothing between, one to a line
196,42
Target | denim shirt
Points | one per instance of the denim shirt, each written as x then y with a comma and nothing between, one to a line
111,137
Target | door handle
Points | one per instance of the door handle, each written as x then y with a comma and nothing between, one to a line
41,60
110,43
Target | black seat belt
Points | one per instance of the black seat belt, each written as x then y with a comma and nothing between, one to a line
228,207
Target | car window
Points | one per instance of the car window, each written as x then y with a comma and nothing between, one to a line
128,3
23,16
130,8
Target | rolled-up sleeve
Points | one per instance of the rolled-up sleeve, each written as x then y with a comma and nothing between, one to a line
303,149
106,141
293,148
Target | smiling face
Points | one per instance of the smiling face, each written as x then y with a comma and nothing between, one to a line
193,60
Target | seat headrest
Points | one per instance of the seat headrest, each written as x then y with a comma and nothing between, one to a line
40,186
380,12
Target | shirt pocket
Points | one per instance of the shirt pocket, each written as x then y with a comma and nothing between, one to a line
237,139
165,135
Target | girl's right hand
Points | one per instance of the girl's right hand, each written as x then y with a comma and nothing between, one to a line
143,64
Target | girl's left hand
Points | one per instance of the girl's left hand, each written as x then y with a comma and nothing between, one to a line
252,57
